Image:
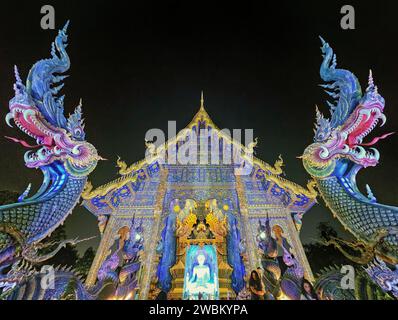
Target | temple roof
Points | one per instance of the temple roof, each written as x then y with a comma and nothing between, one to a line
129,173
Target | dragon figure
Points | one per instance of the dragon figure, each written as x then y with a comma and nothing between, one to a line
328,286
339,152
60,152
383,276
24,282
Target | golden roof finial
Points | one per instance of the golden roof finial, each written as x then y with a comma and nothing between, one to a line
202,101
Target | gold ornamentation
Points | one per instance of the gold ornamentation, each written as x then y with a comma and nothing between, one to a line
251,146
151,148
365,251
88,188
105,189
311,185
124,169
279,164
219,228
153,289
184,228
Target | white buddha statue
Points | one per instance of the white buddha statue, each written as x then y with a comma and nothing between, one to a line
199,282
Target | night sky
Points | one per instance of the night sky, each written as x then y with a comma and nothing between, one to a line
139,64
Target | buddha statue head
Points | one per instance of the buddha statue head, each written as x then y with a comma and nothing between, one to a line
201,259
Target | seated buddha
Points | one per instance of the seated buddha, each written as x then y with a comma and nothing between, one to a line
199,282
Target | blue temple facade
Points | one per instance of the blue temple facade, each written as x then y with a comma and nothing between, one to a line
199,225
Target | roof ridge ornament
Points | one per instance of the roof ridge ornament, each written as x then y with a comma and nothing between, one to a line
202,101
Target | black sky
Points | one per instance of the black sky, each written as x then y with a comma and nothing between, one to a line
139,64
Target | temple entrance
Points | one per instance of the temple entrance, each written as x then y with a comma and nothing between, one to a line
201,273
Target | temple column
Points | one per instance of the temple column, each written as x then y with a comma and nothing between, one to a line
107,241
298,247
251,248
151,260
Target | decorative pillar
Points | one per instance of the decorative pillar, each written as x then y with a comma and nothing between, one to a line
251,248
150,261
102,251
298,247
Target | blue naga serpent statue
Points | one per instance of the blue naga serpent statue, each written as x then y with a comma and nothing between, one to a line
66,283
60,152
338,153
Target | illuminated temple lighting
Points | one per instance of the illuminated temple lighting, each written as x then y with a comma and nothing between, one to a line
129,296
205,200
282,296
200,228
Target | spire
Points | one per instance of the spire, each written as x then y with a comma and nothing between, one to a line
202,116
202,101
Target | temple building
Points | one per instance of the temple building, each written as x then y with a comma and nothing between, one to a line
195,230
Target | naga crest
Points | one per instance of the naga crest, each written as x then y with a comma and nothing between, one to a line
38,111
353,117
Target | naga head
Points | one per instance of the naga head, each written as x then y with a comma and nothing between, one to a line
38,111
385,277
265,240
353,117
